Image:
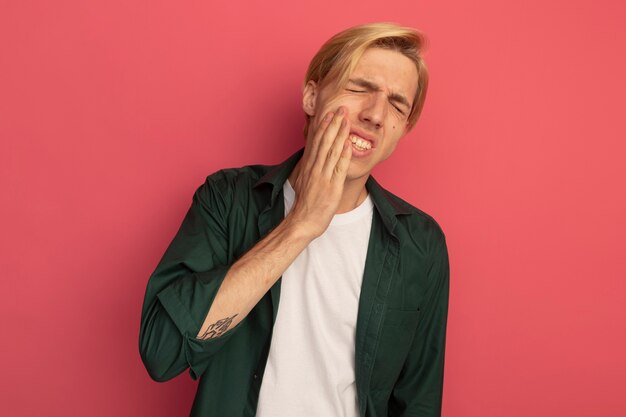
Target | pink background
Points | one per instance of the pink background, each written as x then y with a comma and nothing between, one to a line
113,112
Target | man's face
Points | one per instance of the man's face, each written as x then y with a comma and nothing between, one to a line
378,99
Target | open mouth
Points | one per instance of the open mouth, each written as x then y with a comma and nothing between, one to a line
359,143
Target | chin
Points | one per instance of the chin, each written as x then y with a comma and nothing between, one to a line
356,172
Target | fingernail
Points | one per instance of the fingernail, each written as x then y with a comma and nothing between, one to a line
329,116
340,111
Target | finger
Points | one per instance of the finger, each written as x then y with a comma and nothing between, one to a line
341,168
328,138
334,153
312,146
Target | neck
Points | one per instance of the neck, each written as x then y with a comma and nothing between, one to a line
354,191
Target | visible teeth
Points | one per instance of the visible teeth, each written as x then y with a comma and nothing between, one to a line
360,144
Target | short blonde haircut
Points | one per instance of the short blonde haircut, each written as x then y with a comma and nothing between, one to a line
337,58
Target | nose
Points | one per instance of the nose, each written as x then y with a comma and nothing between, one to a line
373,111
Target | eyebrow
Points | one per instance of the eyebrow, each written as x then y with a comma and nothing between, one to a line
397,97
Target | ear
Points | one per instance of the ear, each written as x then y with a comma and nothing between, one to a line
309,98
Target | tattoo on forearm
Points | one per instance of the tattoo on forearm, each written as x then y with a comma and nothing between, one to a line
218,328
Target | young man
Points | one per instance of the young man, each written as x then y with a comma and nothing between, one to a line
362,276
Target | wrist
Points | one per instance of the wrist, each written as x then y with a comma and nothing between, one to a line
300,230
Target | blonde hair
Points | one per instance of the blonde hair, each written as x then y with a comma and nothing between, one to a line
338,57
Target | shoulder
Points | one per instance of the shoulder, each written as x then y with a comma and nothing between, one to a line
414,223
423,253
228,185
229,178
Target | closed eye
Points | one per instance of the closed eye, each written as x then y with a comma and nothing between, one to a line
398,109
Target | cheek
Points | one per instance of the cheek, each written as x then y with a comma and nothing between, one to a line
331,104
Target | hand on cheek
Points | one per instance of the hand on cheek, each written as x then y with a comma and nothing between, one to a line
319,185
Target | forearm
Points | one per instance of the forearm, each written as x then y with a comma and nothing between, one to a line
318,185
253,275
